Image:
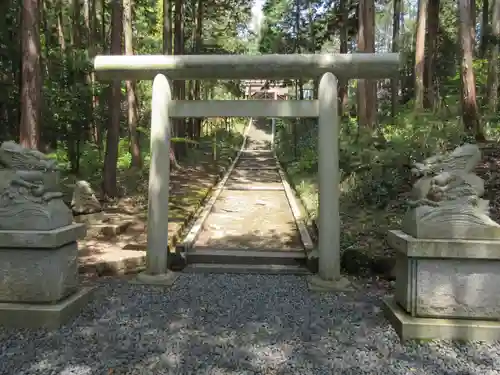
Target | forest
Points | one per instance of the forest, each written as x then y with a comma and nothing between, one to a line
447,92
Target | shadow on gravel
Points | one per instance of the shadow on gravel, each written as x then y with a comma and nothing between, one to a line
234,324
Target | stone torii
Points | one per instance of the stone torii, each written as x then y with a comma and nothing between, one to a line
328,67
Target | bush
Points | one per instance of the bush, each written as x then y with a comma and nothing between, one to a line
372,173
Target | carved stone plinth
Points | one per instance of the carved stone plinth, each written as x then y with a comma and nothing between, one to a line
39,283
447,281
451,222
39,277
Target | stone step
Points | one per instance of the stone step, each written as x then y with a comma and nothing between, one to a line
256,158
257,153
268,269
111,229
89,219
245,257
256,167
243,187
251,160
112,261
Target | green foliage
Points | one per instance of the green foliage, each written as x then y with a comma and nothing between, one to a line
75,111
372,173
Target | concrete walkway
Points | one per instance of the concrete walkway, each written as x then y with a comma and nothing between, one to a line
252,215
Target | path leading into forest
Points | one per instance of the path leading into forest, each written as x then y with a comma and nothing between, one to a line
249,224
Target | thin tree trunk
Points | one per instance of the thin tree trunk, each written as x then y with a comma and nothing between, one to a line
131,86
343,83
367,89
312,42
485,28
31,80
493,80
198,45
470,112
168,49
113,134
91,26
396,23
179,86
420,54
473,23
60,28
167,27
431,56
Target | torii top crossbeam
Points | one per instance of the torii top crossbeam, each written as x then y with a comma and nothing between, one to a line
272,66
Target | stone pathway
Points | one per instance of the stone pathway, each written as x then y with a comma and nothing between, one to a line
252,211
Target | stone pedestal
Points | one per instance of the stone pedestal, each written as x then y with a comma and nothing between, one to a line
39,277
445,289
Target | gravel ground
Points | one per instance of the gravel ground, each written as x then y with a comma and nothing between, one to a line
234,324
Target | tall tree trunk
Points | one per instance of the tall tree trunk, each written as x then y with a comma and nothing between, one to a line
367,89
190,131
431,56
168,50
76,78
343,83
420,54
113,134
312,42
396,23
31,79
91,27
60,28
493,80
131,85
179,86
473,23
167,27
470,112
198,45
485,28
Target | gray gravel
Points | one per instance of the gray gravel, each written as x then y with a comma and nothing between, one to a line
234,324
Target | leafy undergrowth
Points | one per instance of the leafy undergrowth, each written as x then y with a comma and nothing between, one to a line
376,180
363,229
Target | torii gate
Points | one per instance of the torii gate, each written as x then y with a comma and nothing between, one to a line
189,67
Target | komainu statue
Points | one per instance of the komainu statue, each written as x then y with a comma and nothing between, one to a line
446,200
29,191
84,200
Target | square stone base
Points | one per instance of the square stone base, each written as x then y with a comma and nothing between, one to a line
410,328
447,279
38,275
48,316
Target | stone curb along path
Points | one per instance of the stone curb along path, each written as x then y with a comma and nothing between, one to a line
221,239
215,192
132,258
